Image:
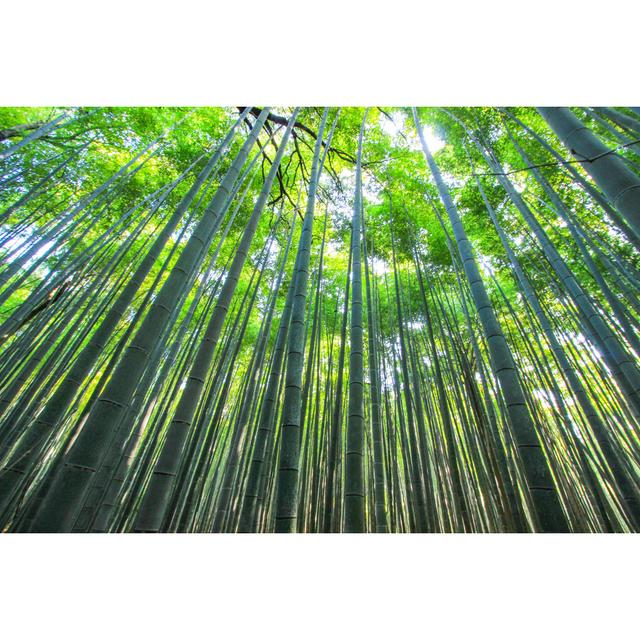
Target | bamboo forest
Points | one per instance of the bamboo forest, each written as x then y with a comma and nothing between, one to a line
320,320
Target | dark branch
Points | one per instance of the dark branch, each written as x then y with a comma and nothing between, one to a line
281,120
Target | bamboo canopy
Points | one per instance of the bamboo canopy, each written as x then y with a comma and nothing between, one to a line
279,319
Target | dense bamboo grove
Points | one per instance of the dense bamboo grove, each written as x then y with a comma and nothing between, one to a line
320,320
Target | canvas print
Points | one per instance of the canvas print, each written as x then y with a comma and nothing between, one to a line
320,320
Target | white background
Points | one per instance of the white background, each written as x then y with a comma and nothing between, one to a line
350,52
331,52
515,587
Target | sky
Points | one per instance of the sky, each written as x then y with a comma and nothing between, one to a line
399,120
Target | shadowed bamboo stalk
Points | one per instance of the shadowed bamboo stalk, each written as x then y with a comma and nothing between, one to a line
620,184
286,506
354,486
